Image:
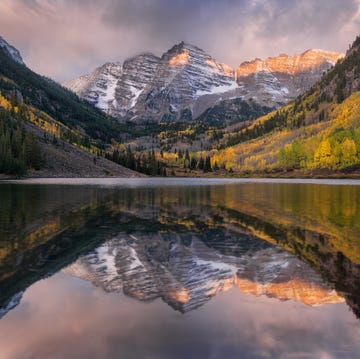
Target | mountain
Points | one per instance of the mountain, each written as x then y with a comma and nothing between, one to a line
319,131
104,79
276,80
152,88
186,76
186,81
44,126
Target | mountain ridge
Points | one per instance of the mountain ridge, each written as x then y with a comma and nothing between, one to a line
185,81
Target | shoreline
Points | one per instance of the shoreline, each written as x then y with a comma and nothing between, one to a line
254,176
285,174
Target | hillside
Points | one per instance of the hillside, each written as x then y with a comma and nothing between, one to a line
319,131
47,130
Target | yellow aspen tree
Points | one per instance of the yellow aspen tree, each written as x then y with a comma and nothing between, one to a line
323,156
348,152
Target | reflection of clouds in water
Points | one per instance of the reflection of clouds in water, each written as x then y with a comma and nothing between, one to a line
70,318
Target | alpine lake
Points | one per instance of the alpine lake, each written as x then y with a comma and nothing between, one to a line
179,268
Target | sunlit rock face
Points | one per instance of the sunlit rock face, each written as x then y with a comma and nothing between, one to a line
185,74
185,271
186,81
276,80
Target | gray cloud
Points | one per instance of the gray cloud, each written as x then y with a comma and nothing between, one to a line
66,38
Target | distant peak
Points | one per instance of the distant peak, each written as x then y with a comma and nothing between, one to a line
112,64
318,56
188,46
291,64
322,52
142,56
180,54
184,46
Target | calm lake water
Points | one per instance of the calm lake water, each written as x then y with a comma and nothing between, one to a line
179,268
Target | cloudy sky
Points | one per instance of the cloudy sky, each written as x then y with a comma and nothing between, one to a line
65,38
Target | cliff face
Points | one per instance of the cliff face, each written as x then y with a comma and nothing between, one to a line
185,74
137,74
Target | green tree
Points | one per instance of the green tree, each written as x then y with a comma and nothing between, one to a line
207,166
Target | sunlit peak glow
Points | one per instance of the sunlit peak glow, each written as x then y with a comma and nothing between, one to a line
180,59
221,286
213,64
295,289
181,296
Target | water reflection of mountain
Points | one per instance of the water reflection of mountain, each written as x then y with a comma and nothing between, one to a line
183,245
185,272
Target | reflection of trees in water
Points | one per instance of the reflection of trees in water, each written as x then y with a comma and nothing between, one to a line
44,228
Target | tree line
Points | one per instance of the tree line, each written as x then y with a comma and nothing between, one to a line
19,149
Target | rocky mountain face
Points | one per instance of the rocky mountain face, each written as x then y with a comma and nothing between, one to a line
185,75
186,81
98,87
11,51
344,79
185,272
276,80
152,88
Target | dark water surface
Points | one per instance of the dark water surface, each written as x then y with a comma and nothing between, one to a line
158,268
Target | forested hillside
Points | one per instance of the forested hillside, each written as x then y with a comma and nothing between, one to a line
19,149
45,126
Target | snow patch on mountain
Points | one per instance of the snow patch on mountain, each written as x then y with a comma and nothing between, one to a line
218,89
98,87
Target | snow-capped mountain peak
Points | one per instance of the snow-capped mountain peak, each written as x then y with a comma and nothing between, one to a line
185,81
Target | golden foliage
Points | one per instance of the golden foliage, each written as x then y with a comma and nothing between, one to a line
330,144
